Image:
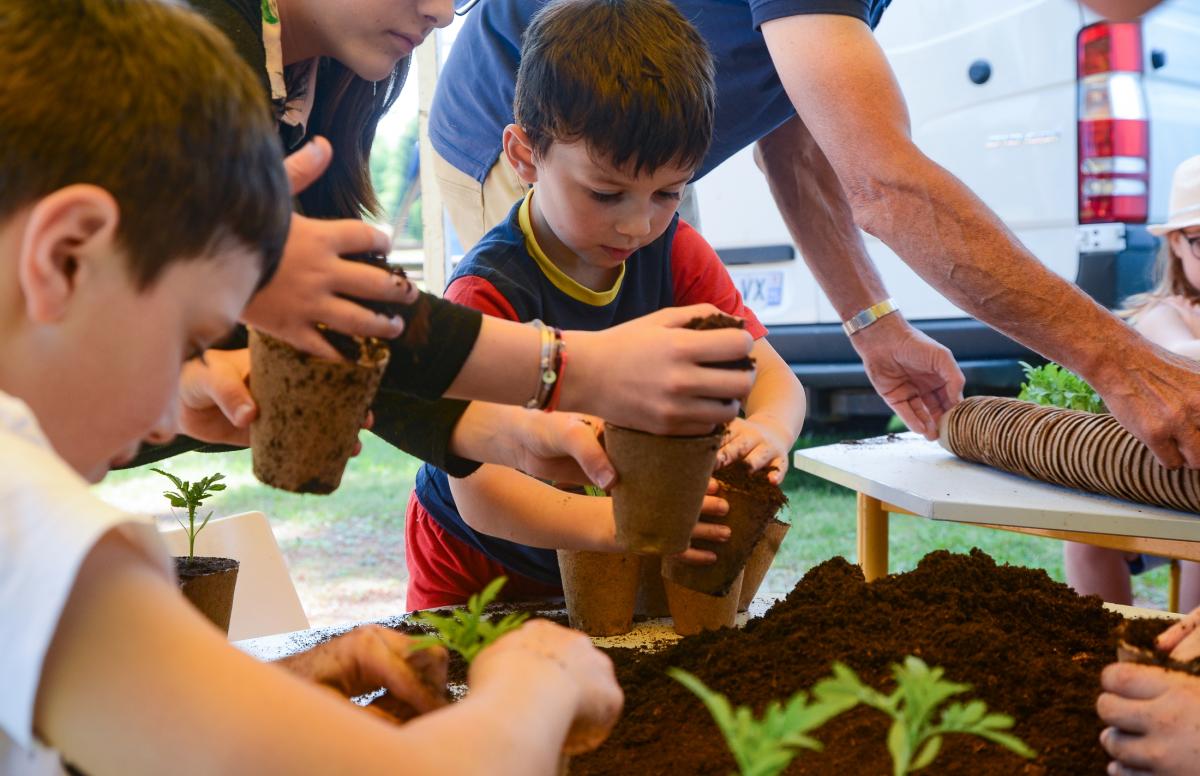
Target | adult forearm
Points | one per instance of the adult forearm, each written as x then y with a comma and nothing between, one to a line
819,217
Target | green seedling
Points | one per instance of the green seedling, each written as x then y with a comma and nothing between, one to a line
915,739
467,631
766,746
190,496
1054,386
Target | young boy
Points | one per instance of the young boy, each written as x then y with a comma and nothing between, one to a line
143,201
614,107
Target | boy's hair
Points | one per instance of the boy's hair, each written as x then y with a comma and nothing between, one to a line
146,100
631,78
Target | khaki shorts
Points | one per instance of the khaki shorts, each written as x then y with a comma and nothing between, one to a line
474,207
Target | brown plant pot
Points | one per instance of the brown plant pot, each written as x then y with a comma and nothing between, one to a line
209,584
601,590
753,502
660,486
695,612
652,594
310,411
760,561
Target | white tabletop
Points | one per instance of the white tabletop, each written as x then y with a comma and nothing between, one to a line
921,477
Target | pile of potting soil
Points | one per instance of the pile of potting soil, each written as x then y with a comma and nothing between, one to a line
1029,647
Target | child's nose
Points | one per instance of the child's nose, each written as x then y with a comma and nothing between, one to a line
634,225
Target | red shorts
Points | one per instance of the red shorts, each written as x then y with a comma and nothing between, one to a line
445,571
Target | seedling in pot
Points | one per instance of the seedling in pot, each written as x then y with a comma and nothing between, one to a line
190,496
914,738
766,746
467,631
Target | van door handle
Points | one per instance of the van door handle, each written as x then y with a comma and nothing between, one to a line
979,72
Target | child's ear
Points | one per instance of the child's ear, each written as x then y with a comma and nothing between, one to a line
65,230
519,152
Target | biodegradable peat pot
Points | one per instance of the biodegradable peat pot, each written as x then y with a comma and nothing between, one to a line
209,584
601,590
695,612
310,411
753,502
652,595
660,486
760,561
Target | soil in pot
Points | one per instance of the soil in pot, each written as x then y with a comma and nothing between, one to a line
209,584
753,502
1136,645
694,612
1030,647
661,481
600,589
761,558
310,411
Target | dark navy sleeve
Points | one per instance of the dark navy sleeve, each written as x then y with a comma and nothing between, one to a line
763,11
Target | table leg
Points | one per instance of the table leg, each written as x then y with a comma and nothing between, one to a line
1173,591
872,537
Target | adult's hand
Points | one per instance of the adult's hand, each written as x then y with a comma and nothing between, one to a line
650,373
542,651
370,657
312,282
1152,716
916,376
1121,10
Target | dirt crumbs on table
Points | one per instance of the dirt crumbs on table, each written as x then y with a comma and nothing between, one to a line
1028,645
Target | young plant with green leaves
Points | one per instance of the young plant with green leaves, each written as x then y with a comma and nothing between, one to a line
915,737
766,746
191,496
467,631
1054,386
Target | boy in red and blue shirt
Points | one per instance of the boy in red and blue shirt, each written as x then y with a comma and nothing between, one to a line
614,109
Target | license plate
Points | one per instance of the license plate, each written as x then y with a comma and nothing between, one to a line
761,289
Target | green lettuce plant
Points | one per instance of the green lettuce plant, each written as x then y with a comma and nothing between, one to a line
190,496
767,745
1054,386
916,734
467,631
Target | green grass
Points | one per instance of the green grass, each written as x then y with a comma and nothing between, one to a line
346,551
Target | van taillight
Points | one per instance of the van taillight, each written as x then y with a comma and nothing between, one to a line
1114,134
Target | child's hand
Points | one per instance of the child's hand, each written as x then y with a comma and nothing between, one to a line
759,443
215,404
1182,640
313,280
370,657
714,505
539,652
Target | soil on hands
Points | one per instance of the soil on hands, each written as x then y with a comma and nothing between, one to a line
416,315
721,321
1029,646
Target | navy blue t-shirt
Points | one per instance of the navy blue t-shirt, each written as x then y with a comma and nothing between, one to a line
475,89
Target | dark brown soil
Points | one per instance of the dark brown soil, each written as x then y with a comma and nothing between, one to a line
1029,646
737,476
721,321
199,566
416,316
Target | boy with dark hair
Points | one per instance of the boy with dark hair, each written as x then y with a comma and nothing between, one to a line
143,201
614,109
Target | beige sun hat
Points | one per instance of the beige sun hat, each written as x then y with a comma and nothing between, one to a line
1185,199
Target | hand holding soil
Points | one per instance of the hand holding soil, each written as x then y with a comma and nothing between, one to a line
757,443
312,282
541,651
1151,713
370,657
651,373
1182,640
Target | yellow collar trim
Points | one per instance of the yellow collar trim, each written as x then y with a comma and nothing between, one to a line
561,280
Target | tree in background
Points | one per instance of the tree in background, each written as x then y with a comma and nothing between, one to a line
396,173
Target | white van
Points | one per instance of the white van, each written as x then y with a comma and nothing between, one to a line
1067,126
